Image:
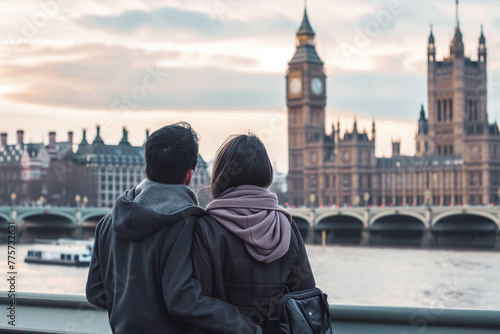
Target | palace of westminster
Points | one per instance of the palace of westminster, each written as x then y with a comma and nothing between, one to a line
457,160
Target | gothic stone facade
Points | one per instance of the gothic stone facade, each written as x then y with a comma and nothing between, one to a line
457,160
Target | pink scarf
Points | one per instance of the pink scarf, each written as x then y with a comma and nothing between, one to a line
252,213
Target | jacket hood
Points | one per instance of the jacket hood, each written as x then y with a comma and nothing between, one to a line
252,213
150,206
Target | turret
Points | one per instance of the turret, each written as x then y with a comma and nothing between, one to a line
124,140
423,126
306,51
457,44
373,130
84,137
396,148
98,140
338,131
481,52
431,49
305,34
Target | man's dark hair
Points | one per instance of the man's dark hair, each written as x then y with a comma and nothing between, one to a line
171,152
241,160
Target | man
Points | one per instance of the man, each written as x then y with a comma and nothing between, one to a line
141,264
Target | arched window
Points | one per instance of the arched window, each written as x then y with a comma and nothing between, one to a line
451,109
475,110
470,110
451,149
444,110
445,149
439,110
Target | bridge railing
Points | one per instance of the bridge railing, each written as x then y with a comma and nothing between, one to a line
59,313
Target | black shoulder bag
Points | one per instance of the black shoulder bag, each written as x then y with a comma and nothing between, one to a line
300,312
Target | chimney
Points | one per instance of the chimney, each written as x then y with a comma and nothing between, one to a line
70,139
125,134
20,138
147,134
52,141
396,145
4,140
84,134
124,140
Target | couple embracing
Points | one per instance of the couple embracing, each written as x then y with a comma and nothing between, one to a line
163,264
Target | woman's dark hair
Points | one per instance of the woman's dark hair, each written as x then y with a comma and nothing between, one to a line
171,152
241,160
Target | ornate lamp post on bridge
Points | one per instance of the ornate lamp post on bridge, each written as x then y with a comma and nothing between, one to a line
428,212
80,203
366,197
13,212
78,214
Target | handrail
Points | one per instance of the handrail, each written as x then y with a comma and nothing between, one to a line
63,313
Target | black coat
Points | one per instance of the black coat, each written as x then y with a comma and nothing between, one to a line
228,272
141,272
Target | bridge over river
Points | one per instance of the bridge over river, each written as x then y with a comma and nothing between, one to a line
450,226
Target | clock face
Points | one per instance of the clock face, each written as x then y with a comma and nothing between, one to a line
316,86
295,86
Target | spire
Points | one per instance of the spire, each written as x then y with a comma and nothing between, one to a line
124,140
306,51
431,37
482,39
423,124
84,138
422,112
305,26
355,126
457,44
373,129
98,140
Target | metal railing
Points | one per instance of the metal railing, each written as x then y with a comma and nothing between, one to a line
59,313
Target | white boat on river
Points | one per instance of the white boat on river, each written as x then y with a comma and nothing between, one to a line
62,251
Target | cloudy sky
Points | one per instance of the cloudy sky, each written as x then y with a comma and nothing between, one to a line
220,65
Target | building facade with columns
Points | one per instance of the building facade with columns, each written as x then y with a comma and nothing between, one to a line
457,158
94,174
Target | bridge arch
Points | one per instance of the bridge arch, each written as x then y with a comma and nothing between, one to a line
355,215
400,213
4,217
303,224
339,228
45,224
468,228
397,229
46,213
444,215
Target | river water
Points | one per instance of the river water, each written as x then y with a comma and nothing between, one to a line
349,275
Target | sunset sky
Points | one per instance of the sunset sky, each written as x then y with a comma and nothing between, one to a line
220,65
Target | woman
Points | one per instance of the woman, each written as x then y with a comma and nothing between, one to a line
248,249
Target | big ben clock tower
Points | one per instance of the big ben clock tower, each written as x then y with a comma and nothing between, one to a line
306,101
